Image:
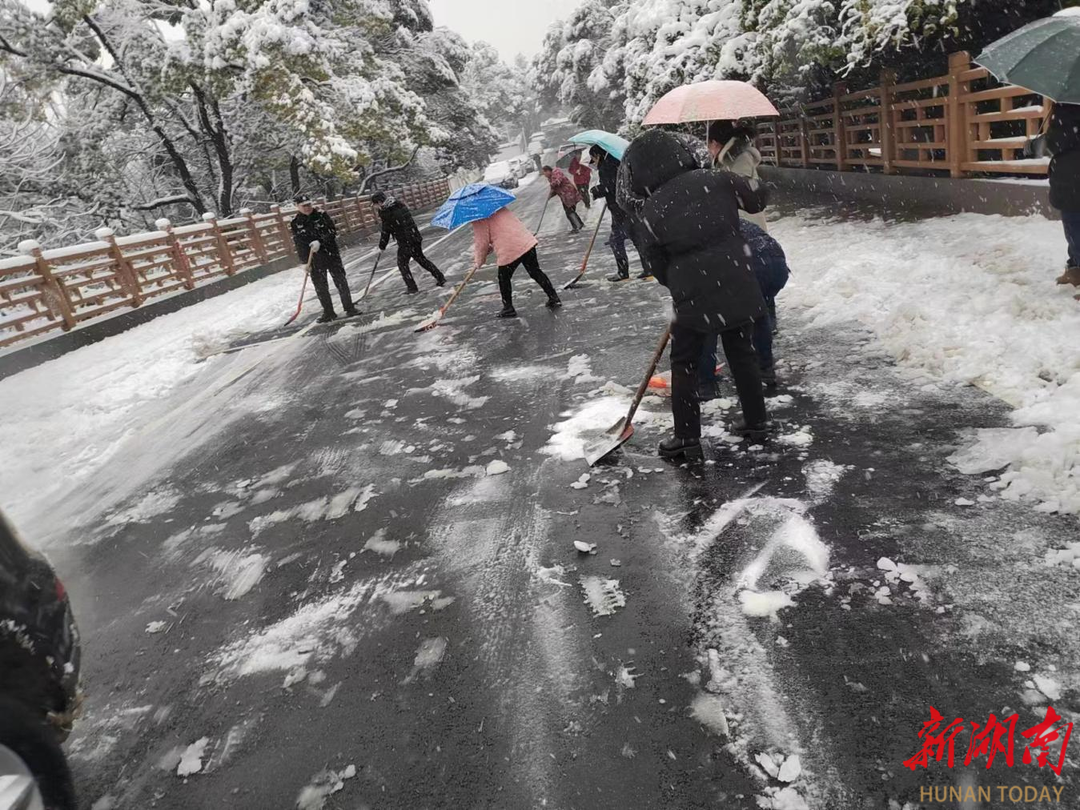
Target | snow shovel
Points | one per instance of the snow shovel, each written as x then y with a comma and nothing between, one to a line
618,434
303,287
433,321
588,253
367,289
542,215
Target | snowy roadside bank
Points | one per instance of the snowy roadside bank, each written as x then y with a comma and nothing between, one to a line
63,420
967,299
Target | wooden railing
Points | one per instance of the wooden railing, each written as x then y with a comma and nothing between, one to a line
59,289
963,123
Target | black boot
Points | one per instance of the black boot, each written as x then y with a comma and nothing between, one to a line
553,302
507,312
617,277
758,431
440,280
412,290
645,274
708,392
768,379
327,316
352,312
681,448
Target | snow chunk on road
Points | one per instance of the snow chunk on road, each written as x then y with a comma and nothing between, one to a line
151,505
191,760
603,596
498,468
709,711
579,369
238,574
764,604
323,785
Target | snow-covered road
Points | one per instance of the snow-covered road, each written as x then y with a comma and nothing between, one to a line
340,570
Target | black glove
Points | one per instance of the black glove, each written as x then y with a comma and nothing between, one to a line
596,193
1036,147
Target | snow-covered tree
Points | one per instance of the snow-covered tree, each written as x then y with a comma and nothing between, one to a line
322,78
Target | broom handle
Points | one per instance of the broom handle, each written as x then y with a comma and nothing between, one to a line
371,278
595,233
457,290
640,395
542,214
303,287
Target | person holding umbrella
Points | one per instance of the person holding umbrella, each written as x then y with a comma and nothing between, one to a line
567,193
1044,57
692,242
495,227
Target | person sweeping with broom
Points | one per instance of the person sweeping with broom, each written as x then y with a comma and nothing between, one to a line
494,227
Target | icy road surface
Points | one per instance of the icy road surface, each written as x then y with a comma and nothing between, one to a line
342,570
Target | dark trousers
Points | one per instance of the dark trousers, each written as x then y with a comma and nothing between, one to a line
585,197
320,266
1071,221
619,235
687,348
572,215
532,267
407,251
761,337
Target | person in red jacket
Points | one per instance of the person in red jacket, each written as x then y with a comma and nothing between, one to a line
567,192
582,174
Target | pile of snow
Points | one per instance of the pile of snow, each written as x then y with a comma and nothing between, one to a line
64,420
968,299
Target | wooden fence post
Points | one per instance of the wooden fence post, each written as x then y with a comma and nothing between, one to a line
256,237
128,277
956,111
283,230
804,138
885,120
224,253
56,298
839,133
183,269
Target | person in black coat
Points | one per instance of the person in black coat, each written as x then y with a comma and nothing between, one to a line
1063,142
691,239
607,170
315,230
398,222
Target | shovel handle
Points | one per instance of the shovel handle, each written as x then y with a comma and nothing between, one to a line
542,213
592,242
664,338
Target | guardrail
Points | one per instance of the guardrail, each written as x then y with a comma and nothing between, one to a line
964,122
63,288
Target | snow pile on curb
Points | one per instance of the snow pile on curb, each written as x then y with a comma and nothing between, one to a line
968,299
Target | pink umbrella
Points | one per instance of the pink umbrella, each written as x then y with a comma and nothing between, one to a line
710,101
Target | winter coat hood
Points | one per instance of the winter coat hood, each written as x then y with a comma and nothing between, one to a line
655,158
632,201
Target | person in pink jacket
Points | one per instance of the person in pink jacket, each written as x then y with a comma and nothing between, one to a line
514,245
563,187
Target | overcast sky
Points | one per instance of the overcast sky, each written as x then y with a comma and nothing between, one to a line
512,26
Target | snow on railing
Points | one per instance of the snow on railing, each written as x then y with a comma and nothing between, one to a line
62,288
963,122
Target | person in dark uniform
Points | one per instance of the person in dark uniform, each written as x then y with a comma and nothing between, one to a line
398,222
315,230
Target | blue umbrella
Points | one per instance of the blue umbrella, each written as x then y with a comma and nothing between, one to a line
474,202
614,145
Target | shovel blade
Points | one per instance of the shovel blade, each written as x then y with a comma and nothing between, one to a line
428,325
608,442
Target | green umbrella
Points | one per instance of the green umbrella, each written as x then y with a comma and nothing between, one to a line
1043,57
